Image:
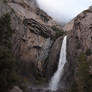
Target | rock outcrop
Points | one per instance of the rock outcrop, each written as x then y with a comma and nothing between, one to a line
54,56
34,33
80,51
16,89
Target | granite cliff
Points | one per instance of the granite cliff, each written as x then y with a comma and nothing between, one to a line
80,51
34,34
36,42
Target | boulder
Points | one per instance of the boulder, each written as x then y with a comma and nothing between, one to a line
15,89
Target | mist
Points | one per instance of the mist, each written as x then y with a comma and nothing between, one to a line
63,11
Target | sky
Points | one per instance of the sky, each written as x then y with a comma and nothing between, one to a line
63,10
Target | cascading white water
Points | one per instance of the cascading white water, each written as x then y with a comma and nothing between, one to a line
53,85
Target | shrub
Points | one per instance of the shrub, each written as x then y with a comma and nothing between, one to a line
91,38
87,11
78,45
7,69
8,76
76,37
5,30
58,32
84,80
88,52
5,1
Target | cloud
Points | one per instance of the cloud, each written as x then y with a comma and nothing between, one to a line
63,10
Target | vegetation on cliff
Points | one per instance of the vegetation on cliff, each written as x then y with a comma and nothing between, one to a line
8,76
83,81
58,32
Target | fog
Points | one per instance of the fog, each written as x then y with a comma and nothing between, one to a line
63,10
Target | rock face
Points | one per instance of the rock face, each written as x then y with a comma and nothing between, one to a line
68,27
33,35
80,50
16,89
37,41
39,29
54,56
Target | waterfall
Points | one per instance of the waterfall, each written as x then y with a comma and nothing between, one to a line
53,85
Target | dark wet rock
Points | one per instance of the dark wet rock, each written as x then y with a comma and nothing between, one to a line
54,56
